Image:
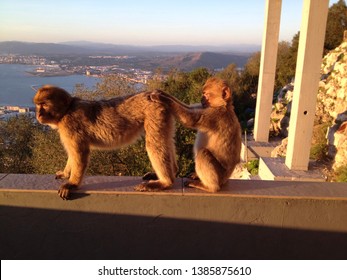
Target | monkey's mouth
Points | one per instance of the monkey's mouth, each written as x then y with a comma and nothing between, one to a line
204,102
41,118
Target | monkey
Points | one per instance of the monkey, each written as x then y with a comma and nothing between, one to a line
218,142
108,124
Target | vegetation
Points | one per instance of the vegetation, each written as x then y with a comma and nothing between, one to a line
253,166
341,174
16,138
319,147
336,25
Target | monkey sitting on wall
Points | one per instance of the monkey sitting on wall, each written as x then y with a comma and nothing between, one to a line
218,143
108,124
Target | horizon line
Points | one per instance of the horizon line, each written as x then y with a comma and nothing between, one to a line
133,44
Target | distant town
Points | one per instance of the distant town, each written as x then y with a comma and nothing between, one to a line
11,111
46,67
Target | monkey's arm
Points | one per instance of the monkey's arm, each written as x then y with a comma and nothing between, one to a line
187,115
78,157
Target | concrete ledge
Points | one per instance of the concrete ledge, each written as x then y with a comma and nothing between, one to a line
276,169
125,185
255,149
108,220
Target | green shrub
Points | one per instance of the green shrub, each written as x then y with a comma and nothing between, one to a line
341,174
253,166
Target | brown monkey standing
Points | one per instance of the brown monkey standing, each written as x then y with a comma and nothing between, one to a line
218,142
108,124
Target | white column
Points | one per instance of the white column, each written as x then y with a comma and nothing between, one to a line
267,70
312,33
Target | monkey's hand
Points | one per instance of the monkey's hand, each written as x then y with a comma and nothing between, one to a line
155,96
61,175
64,191
160,97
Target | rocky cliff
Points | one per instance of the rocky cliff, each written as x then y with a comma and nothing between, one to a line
332,102
331,110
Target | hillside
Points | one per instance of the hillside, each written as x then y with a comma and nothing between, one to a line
209,60
82,47
23,48
143,57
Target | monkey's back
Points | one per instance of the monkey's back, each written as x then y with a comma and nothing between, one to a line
115,122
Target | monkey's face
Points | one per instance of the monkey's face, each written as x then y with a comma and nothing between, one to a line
215,95
211,98
45,113
51,105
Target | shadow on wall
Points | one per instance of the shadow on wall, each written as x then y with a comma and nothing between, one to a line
28,233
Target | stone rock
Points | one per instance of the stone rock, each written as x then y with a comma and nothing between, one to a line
286,93
279,119
240,172
332,103
250,123
284,125
280,150
340,142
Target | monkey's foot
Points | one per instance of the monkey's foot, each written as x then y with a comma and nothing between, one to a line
189,183
152,186
150,176
64,191
197,184
193,176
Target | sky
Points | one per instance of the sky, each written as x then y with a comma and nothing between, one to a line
144,22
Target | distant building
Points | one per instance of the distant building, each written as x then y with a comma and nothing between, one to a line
17,109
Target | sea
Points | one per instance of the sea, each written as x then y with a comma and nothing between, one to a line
16,84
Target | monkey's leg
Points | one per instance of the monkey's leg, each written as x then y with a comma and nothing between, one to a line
160,149
153,176
208,170
161,163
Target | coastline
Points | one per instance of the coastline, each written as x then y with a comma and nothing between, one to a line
50,74
16,82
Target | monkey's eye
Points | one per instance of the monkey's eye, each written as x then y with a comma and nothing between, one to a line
41,106
206,94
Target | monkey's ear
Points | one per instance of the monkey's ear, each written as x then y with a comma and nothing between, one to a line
226,93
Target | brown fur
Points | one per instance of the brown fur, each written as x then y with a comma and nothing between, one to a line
218,142
108,124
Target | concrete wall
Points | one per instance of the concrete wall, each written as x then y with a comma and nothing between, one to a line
108,220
